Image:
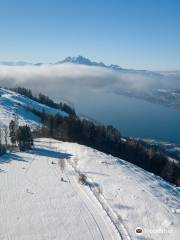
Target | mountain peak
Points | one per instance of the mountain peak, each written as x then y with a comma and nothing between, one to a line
79,60
86,61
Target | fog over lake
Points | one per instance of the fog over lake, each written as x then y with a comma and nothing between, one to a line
92,91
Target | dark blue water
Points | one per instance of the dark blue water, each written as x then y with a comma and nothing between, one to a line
133,117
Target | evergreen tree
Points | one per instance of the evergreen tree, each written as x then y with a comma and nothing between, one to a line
12,132
24,138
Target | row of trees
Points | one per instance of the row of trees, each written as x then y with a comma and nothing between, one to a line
41,98
108,139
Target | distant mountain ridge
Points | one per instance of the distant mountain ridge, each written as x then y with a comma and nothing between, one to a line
18,63
81,60
74,60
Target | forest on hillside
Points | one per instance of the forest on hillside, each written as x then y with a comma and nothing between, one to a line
107,139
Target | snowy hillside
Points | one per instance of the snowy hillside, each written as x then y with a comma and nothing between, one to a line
118,198
12,103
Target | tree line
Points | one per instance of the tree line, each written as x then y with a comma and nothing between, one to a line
41,98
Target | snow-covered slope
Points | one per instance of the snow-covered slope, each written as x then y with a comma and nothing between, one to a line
12,103
136,197
35,204
118,198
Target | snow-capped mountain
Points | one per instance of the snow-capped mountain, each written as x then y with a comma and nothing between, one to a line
76,60
81,60
88,62
85,61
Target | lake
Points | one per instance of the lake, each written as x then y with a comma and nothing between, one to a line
133,117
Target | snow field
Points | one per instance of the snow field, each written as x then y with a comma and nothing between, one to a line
36,205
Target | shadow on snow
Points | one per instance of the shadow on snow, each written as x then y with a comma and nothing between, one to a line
6,158
50,153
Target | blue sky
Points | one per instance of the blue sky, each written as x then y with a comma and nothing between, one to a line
138,34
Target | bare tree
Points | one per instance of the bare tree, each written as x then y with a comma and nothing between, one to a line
2,148
5,136
62,164
76,163
16,119
0,136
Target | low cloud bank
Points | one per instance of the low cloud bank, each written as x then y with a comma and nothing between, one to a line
70,79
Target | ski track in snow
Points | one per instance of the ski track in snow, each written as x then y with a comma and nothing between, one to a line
139,198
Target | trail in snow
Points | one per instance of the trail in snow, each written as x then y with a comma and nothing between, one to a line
137,197
98,198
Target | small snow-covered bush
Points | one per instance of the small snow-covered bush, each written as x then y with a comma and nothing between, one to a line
82,178
99,190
